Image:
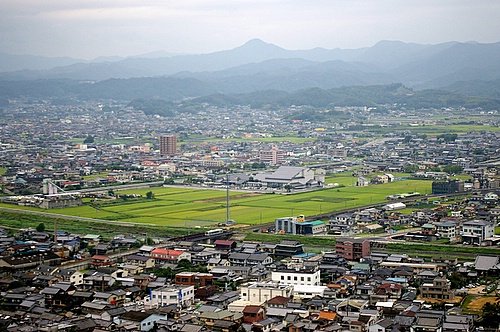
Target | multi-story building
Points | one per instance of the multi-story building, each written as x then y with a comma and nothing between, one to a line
440,289
181,296
294,225
448,230
447,187
476,231
194,279
352,249
260,292
297,277
288,248
273,157
168,145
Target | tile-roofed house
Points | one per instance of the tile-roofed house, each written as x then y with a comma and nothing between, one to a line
487,264
169,255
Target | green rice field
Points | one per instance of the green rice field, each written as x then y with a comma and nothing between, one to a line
189,207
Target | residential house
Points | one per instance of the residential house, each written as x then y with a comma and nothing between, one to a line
162,256
439,289
253,314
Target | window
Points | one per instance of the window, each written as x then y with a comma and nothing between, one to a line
295,278
308,278
301,278
282,277
288,278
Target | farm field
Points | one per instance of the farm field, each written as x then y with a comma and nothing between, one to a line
436,129
473,304
189,207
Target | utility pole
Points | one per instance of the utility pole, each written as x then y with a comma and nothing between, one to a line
227,197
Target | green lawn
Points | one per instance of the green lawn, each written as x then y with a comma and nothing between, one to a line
274,139
435,129
187,207
323,242
3,170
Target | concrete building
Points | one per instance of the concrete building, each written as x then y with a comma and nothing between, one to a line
440,289
297,277
273,157
196,279
476,231
447,230
292,225
260,292
168,145
447,187
352,249
181,296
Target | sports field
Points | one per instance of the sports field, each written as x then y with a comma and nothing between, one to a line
188,207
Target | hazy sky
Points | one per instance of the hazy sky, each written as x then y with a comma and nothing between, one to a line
91,28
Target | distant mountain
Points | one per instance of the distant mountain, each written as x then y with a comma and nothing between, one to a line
374,95
16,62
260,66
257,65
159,95
291,75
476,88
168,88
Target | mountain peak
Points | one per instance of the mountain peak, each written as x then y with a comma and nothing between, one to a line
258,44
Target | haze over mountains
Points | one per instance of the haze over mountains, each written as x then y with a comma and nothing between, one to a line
259,66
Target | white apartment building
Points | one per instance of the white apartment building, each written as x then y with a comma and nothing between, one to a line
476,231
182,296
294,277
448,230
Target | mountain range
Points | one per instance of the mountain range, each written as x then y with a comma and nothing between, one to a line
260,66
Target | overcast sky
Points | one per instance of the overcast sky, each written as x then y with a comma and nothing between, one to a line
92,28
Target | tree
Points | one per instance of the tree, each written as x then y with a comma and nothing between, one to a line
40,227
491,314
457,280
453,169
89,139
448,137
150,195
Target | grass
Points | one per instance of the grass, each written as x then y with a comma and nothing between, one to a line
21,220
274,139
3,170
473,304
188,207
325,243
95,176
497,230
435,129
440,248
